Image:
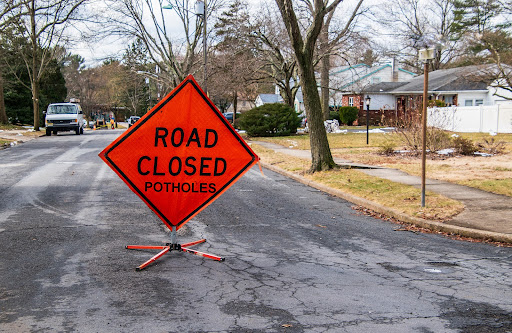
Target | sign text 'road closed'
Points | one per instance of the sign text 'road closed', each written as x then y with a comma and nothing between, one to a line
176,166
181,155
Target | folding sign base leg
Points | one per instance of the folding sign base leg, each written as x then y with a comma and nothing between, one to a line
170,247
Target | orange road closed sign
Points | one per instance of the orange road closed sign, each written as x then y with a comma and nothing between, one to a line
180,156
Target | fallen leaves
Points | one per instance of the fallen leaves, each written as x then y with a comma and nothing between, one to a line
412,228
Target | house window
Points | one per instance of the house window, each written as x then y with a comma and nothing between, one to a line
351,101
376,80
479,102
468,102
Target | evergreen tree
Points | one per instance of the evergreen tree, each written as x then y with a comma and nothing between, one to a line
234,59
475,16
479,24
137,94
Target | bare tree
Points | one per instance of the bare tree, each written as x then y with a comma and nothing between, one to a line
415,24
303,44
234,64
498,72
258,42
44,24
329,43
278,60
90,82
9,13
3,114
148,21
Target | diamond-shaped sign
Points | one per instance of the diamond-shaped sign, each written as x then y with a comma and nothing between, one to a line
180,156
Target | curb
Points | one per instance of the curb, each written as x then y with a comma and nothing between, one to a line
432,225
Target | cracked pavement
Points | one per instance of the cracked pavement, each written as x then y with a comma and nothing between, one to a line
297,260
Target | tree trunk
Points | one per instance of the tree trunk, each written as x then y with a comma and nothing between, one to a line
324,84
235,105
323,50
321,158
288,95
35,73
35,103
3,114
235,101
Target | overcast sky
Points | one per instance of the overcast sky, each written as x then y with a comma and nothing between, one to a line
95,53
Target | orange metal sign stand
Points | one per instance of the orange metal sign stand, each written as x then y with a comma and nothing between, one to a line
170,247
178,158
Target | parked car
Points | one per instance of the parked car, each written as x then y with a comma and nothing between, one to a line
62,117
229,115
132,120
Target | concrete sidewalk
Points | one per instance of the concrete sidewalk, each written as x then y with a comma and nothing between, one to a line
486,215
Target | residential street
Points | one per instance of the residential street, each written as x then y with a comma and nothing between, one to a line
297,260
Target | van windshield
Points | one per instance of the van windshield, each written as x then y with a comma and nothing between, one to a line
62,109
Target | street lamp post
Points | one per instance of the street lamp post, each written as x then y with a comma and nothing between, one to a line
201,11
147,76
367,102
425,55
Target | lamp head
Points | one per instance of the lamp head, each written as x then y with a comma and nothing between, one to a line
199,8
427,54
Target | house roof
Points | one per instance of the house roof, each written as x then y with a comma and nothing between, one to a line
269,98
342,69
299,96
452,79
384,87
357,73
365,75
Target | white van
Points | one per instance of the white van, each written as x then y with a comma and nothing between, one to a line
64,117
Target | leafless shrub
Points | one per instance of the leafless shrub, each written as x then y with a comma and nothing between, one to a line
464,146
491,146
409,127
411,134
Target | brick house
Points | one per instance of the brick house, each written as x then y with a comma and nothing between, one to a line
458,87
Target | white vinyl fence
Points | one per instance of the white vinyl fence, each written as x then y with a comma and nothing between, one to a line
495,118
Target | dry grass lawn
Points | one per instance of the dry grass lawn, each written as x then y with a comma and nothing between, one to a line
403,198
493,174
11,133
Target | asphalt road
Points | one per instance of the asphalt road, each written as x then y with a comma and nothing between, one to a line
297,260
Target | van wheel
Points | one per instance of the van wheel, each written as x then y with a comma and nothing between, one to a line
48,132
54,132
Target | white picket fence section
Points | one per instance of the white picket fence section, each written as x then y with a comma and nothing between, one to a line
491,119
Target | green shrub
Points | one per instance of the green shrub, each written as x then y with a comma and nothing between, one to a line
439,103
270,120
334,115
348,114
